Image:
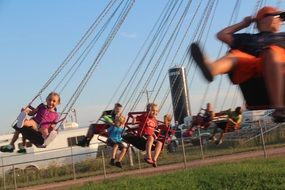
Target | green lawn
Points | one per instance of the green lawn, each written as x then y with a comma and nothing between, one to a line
253,174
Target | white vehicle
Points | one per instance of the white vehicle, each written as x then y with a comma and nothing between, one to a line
58,152
255,116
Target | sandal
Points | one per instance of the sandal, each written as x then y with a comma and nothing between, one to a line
199,59
148,160
154,164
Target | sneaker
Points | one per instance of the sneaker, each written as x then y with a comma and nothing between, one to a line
119,164
7,148
199,58
213,139
22,150
112,162
84,142
219,142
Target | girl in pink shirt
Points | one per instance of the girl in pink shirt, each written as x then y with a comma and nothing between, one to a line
45,116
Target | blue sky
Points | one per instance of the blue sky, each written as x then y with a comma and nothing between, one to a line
36,36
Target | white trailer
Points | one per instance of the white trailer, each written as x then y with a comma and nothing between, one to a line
62,150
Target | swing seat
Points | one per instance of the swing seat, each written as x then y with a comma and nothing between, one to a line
136,141
35,137
255,94
100,129
132,134
164,134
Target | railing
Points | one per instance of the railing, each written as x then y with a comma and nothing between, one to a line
68,167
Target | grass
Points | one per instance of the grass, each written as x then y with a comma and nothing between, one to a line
94,167
261,174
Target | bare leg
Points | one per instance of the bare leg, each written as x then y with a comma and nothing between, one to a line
221,137
214,132
44,132
90,132
89,135
274,80
14,138
30,123
114,152
209,70
122,154
157,150
223,65
24,141
149,143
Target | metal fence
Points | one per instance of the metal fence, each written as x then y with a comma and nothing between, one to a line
259,136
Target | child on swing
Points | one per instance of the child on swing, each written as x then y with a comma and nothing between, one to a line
115,140
44,120
147,126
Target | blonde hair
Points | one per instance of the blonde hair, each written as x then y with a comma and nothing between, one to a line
53,94
121,119
153,105
167,117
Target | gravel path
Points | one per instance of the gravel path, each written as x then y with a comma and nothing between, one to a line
161,169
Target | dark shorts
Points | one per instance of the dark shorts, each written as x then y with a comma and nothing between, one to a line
225,127
111,143
222,125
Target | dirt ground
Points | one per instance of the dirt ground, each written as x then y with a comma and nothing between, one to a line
162,169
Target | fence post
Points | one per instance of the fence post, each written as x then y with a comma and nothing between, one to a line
4,175
184,155
14,174
262,138
201,143
139,159
104,166
131,155
73,164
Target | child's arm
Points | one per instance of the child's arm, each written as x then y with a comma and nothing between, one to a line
52,126
30,111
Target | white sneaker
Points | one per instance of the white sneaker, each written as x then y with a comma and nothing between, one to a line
220,141
50,138
21,118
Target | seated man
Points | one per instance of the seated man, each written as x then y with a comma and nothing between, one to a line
252,55
204,119
230,124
